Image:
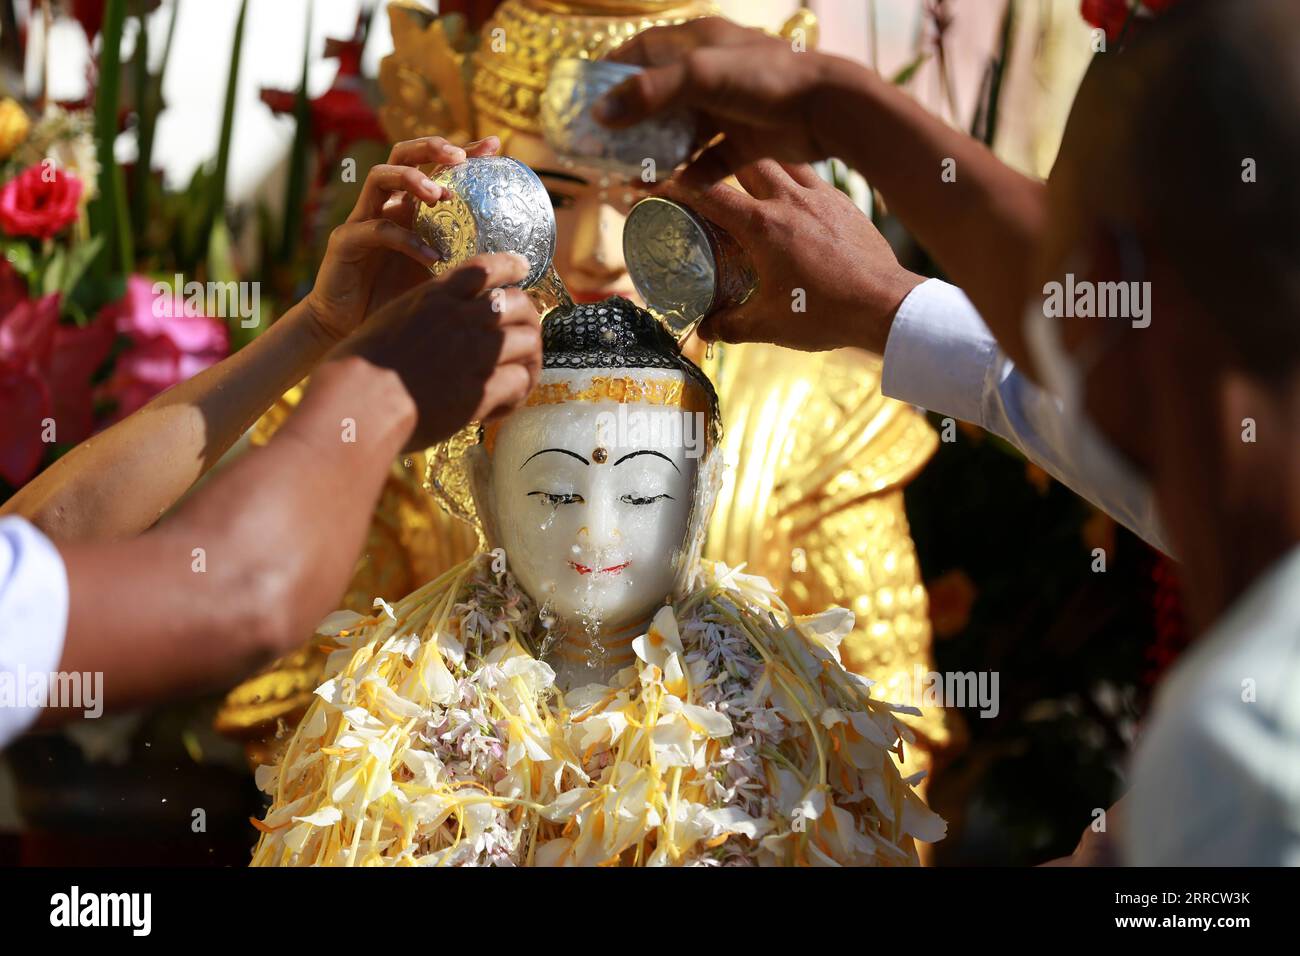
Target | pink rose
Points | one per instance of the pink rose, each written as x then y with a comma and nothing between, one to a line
40,201
166,348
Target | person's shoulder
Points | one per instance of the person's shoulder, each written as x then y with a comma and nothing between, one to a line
1216,775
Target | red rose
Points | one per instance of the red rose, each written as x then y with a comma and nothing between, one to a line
40,201
1110,15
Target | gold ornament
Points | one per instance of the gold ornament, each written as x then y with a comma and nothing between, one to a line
524,37
813,501
452,222
426,79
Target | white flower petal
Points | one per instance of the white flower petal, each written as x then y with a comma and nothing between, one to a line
338,622
324,817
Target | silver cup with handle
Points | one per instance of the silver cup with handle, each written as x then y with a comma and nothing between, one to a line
683,266
494,204
648,151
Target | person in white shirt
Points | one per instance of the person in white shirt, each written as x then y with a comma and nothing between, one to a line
104,606
1176,179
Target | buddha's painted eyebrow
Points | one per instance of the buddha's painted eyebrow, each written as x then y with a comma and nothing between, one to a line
648,451
562,451
565,177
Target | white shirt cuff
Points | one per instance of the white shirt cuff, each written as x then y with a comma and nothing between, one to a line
33,623
939,353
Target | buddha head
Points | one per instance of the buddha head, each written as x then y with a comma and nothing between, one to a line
597,488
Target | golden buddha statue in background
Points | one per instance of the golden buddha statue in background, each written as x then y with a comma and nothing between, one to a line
817,457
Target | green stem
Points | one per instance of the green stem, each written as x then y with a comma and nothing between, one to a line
217,202
108,212
296,194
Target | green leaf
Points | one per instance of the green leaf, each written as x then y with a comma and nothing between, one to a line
77,261
221,268
149,90
52,274
144,126
22,258
217,203
296,195
109,209
904,76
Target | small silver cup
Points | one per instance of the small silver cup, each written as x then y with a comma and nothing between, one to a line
497,204
573,88
683,266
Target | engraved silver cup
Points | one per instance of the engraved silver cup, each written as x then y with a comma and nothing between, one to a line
567,124
683,266
497,204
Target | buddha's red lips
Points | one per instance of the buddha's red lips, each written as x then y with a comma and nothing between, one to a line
583,569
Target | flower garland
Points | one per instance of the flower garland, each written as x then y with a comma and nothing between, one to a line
736,738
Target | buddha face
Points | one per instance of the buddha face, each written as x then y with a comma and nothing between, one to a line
588,219
593,515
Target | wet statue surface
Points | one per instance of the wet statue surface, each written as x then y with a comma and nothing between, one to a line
587,690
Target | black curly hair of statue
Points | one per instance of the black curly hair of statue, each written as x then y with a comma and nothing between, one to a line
615,333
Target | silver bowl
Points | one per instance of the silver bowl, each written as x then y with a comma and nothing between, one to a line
573,88
497,204
683,266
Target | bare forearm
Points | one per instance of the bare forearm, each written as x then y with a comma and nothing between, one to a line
981,221
119,483
245,569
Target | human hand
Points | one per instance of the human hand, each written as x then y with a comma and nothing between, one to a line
1096,847
375,256
710,65
826,277
465,348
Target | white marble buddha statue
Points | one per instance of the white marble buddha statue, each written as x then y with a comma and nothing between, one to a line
587,690
817,457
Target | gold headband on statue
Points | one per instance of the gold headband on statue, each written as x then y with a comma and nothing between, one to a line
620,389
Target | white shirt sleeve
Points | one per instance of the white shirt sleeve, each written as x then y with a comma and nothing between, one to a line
33,621
941,356
1215,777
